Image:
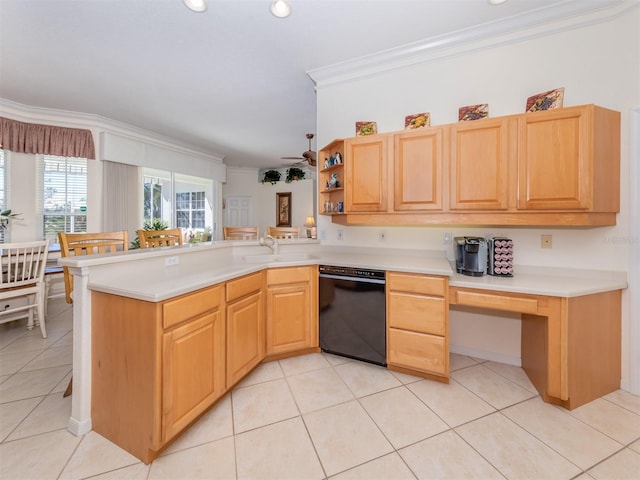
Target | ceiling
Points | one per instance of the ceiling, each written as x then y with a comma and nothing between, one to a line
231,81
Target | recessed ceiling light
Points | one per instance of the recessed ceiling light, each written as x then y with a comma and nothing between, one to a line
281,9
196,5
496,2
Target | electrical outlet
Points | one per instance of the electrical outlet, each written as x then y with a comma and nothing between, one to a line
169,261
323,234
382,236
340,234
546,241
446,238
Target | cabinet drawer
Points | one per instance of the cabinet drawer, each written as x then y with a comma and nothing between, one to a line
190,305
418,351
243,286
423,284
417,313
496,301
277,276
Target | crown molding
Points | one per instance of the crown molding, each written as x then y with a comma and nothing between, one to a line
559,17
98,123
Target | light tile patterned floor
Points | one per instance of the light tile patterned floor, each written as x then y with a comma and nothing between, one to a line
318,417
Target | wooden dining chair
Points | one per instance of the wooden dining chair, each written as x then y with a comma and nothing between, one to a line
160,238
241,233
283,232
75,244
23,276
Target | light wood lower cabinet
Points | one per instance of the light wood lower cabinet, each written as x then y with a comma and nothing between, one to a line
245,326
292,310
193,371
418,324
155,366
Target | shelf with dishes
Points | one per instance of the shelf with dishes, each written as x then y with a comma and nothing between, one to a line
331,179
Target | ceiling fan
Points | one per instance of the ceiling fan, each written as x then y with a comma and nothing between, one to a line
308,157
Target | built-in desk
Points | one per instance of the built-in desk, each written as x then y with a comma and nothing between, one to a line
570,345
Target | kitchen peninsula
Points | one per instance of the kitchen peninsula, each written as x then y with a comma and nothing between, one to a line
570,332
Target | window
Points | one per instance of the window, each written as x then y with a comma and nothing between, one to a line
3,188
64,194
190,208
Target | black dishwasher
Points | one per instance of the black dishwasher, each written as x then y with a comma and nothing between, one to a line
352,313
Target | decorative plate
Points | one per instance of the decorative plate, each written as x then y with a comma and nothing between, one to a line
473,112
419,120
545,100
366,128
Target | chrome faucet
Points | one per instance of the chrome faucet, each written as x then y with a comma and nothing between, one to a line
274,243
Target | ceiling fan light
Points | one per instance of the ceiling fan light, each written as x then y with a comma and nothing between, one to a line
199,6
280,9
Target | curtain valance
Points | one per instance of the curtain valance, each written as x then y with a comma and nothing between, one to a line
46,139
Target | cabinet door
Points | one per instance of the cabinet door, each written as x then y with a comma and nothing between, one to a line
245,336
288,318
554,160
418,170
366,174
193,373
479,162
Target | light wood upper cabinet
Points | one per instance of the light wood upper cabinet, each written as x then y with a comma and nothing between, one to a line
568,159
479,165
292,309
366,171
245,326
418,170
555,167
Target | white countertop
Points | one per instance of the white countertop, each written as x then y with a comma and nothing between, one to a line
174,281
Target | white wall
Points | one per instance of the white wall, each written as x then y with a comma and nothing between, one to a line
596,63
245,182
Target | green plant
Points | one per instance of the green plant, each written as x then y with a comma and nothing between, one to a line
6,216
156,224
294,173
271,176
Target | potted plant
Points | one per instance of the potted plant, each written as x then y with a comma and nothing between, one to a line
6,216
294,173
271,176
155,225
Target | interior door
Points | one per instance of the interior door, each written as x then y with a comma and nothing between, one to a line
238,211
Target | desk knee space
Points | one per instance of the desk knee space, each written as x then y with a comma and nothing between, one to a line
570,346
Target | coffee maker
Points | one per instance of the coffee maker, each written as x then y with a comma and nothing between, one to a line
471,255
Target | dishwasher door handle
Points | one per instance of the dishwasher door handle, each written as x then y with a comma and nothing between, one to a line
353,279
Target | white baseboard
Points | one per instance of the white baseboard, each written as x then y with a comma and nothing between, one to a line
79,427
485,355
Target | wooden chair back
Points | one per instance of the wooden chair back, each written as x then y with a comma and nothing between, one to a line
241,233
283,232
22,275
74,244
160,238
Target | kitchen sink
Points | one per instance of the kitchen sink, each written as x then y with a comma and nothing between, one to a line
280,257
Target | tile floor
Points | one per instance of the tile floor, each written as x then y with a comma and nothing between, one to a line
320,416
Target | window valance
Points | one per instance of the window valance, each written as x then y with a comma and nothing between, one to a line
46,139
